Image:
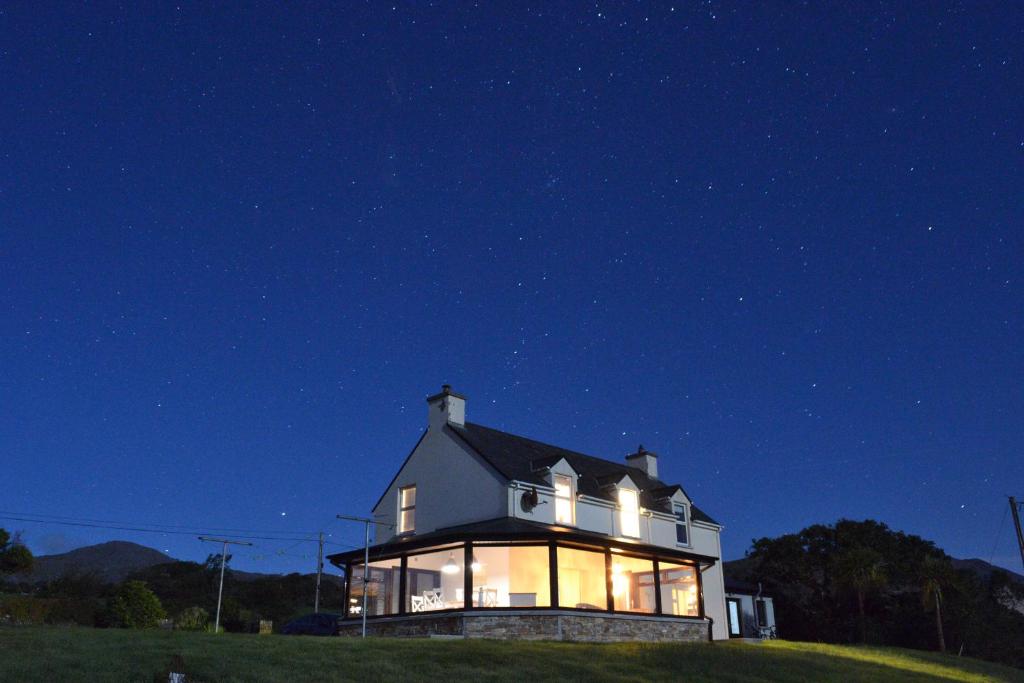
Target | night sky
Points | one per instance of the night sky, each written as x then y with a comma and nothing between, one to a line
781,246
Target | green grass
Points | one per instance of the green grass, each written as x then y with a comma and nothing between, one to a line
39,653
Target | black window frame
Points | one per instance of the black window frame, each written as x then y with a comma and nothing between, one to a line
607,550
682,515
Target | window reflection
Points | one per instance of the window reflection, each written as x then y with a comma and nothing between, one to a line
679,592
511,576
381,591
435,580
633,584
582,581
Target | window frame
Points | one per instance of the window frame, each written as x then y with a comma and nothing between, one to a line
465,548
570,498
685,523
405,508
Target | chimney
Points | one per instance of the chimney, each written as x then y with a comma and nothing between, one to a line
644,460
446,407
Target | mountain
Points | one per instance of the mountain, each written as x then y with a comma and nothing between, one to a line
984,570
110,562
113,561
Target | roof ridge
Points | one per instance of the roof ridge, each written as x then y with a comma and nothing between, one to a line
622,465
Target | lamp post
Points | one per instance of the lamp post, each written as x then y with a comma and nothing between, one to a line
223,561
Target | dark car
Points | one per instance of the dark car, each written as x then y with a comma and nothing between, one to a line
322,624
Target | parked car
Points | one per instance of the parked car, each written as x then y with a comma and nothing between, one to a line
322,624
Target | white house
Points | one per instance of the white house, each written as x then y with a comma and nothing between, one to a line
487,534
750,612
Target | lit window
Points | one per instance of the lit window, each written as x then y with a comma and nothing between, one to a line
632,584
680,594
563,499
582,579
629,513
682,531
407,510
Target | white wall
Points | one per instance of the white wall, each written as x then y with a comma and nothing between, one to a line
453,486
749,616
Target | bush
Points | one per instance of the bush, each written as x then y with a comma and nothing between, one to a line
192,619
135,606
24,609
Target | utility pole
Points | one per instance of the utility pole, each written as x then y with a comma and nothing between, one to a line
319,571
223,561
366,558
1015,509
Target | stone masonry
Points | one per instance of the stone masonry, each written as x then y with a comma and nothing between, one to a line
554,625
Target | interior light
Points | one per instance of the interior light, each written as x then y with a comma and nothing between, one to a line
475,564
450,567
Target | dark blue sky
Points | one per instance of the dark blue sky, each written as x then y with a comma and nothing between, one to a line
781,246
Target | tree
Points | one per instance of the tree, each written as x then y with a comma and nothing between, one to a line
135,606
14,556
860,569
935,573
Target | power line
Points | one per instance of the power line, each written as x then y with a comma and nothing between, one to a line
191,532
49,517
999,534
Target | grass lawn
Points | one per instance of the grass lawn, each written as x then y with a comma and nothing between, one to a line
36,653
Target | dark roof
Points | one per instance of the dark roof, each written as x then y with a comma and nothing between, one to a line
522,459
743,587
508,528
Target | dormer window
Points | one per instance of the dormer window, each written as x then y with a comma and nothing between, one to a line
565,511
682,529
407,510
629,512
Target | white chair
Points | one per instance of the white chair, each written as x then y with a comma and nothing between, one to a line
418,601
432,599
487,597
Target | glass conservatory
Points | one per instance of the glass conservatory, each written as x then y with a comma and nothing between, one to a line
544,570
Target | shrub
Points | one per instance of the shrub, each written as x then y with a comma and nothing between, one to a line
193,619
135,606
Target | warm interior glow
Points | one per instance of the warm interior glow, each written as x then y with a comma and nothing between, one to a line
407,510
629,512
619,582
679,593
511,576
563,500
450,567
582,581
633,584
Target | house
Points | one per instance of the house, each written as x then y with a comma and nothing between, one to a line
482,533
750,612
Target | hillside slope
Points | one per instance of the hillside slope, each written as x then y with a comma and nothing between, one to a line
53,654
110,562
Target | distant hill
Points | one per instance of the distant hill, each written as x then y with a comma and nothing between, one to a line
113,561
984,570
110,562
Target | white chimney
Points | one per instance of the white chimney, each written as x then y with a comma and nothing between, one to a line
644,460
446,407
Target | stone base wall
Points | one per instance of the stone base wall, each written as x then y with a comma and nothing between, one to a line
553,625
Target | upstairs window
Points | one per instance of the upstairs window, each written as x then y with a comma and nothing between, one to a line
407,510
682,530
564,508
629,512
